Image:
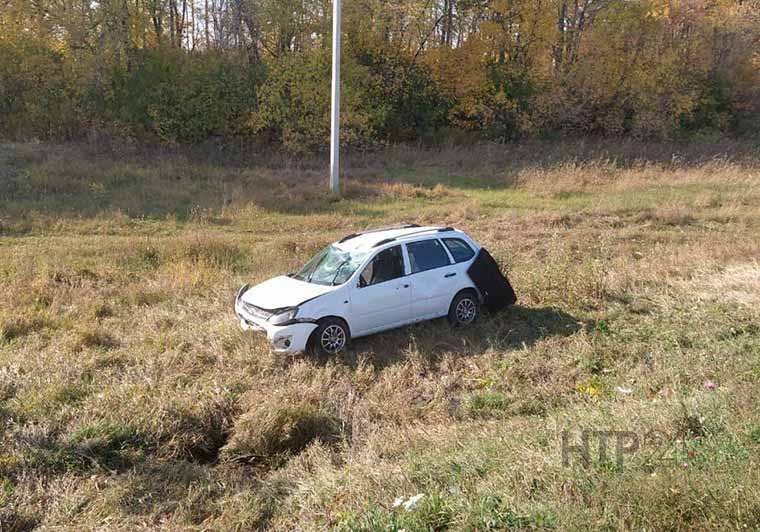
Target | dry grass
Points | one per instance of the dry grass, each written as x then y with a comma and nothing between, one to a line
740,284
131,400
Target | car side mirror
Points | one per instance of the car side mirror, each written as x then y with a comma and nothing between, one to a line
362,282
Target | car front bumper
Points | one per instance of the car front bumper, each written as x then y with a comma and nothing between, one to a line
283,339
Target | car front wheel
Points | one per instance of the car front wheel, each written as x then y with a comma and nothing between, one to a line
330,338
465,309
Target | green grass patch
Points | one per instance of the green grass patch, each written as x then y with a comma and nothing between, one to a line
486,404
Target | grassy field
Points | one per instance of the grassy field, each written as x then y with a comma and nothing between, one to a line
130,399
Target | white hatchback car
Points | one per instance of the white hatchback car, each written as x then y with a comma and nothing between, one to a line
363,284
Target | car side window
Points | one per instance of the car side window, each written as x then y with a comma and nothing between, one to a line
386,266
460,250
427,255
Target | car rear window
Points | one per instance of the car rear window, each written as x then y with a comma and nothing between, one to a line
460,250
427,255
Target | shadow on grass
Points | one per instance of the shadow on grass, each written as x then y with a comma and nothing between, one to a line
513,328
94,448
150,488
16,521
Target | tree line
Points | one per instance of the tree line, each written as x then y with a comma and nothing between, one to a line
183,71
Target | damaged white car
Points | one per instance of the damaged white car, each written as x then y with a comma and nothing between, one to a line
374,281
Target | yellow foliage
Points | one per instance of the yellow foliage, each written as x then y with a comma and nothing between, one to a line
411,68
589,389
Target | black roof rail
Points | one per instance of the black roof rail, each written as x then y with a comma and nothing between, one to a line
432,229
383,242
348,237
378,230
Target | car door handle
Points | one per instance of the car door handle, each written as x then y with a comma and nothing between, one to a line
403,286
450,275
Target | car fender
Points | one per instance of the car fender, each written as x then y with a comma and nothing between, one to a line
467,285
463,280
334,303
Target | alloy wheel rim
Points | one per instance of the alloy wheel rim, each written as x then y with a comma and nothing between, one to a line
333,339
466,310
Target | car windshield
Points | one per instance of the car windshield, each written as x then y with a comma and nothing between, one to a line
331,266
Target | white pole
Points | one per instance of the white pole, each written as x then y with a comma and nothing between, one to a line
335,122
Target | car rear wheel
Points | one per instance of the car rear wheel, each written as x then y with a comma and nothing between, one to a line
330,338
465,309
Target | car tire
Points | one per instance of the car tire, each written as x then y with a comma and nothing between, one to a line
465,309
329,338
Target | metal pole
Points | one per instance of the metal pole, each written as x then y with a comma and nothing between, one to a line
335,122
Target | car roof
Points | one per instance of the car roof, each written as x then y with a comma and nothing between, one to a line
380,237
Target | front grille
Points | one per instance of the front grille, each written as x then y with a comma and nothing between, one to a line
257,312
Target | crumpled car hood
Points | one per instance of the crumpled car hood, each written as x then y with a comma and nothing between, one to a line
282,292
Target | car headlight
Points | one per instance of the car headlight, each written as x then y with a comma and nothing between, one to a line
284,316
242,291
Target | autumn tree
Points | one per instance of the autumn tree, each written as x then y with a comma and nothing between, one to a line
182,70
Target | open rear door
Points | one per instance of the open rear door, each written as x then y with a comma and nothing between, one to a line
493,285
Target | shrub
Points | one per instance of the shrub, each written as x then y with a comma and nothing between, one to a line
407,103
176,96
37,96
294,104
